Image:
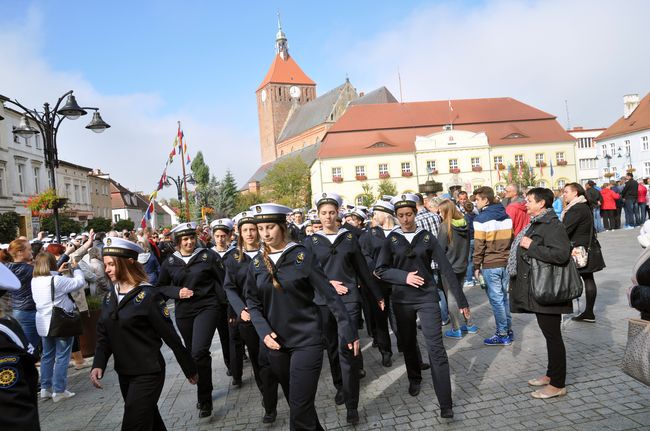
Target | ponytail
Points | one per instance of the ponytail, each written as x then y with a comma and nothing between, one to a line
269,266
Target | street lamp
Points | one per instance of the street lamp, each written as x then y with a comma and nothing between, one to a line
47,123
178,182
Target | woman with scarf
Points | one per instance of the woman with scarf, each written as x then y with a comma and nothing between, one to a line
579,224
546,240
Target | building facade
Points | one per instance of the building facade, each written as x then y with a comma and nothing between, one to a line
625,145
100,194
586,153
73,183
22,171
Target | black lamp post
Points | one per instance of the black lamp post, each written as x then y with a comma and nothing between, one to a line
47,123
178,182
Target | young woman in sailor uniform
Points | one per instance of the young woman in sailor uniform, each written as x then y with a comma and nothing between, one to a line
405,262
338,252
280,287
242,332
134,322
193,276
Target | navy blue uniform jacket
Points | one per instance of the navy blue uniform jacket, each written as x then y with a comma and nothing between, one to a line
398,257
290,312
235,280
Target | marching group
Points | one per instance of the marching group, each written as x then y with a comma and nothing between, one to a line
279,286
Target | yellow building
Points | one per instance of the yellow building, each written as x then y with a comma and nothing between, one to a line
467,143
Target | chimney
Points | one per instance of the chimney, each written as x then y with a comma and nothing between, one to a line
362,94
630,102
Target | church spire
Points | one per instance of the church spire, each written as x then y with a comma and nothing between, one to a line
281,41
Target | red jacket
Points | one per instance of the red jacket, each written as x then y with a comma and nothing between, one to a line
609,199
643,192
519,215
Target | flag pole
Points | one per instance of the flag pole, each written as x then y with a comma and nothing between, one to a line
187,200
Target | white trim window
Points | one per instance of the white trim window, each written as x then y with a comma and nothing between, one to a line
588,163
336,172
539,158
604,150
559,156
21,177
476,162
498,160
406,167
360,170
37,179
644,143
519,159
453,163
431,166
646,170
383,168
3,181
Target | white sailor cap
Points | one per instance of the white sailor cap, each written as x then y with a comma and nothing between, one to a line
384,206
243,218
359,213
313,218
47,240
8,280
270,213
4,246
328,198
405,200
298,211
184,229
120,247
312,211
72,235
386,198
222,224
85,234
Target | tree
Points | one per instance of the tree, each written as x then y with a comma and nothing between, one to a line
367,197
244,201
124,224
200,171
226,196
99,224
66,225
527,177
288,183
9,223
386,187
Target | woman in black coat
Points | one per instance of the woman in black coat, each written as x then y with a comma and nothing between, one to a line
579,224
546,240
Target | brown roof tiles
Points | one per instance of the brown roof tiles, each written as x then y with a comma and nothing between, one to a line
285,72
639,120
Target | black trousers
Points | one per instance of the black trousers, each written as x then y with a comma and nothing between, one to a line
406,316
617,221
550,324
298,371
141,395
377,320
344,366
244,334
197,333
269,381
609,219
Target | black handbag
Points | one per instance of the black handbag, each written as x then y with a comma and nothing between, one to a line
554,284
64,323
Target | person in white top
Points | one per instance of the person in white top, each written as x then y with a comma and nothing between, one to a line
56,350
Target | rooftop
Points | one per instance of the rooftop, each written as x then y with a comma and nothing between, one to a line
639,120
285,72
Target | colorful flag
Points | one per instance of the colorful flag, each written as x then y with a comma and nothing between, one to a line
188,160
551,166
519,172
498,173
541,169
509,173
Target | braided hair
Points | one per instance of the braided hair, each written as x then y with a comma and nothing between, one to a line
267,260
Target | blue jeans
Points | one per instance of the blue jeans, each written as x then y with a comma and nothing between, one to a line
27,320
630,212
54,363
444,310
598,221
469,274
497,280
641,213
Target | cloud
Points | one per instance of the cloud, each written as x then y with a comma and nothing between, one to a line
136,146
587,52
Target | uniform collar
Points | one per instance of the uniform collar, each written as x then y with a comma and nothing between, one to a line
192,256
338,234
401,232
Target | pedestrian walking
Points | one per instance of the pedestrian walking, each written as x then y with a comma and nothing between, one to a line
608,207
280,287
629,196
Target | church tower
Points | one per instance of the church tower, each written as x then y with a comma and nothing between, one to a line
284,85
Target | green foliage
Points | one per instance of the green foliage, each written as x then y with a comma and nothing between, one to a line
367,197
99,224
224,204
200,171
66,225
288,183
246,200
386,187
95,302
124,224
9,223
527,178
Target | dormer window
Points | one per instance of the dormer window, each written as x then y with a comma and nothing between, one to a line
515,136
379,145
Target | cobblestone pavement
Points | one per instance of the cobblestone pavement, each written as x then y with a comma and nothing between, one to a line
489,383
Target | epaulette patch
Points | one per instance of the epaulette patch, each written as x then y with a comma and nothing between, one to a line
8,377
139,297
300,258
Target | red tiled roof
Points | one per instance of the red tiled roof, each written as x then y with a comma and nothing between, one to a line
392,128
639,120
285,72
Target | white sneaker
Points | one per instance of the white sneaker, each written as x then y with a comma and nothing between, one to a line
45,394
62,396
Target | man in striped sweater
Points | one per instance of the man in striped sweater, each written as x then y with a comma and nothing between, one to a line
492,240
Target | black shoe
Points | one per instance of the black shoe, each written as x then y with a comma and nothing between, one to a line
228,373
236,382
583,317
269,417
386,359
353,416
362,373
198,405
424,366
446,413
414,389
339,398
205,409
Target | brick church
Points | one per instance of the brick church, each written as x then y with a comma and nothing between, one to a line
292,119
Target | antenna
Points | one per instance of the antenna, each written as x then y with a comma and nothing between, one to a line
568,119
399,79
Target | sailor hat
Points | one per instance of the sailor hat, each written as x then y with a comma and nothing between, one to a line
405,200
270,213
313,218
184,229
384,206
72,235
359,213
243,218
328,198
297,211
120,247
8,280
222,224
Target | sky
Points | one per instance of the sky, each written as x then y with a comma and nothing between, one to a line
149,64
